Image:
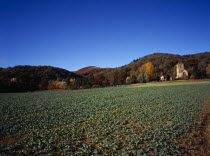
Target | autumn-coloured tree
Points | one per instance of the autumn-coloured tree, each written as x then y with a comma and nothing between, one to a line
133,79
140,78
148,68
13,79
111,76
57,84
106,82
90,80
98,79
174,69
192,76
121,77
146,78
128,80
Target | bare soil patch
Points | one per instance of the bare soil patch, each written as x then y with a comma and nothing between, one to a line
206,130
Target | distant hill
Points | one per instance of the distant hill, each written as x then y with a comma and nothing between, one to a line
29,78
90,70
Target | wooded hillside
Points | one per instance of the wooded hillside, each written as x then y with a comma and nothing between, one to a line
90,70
195,64
145,69
30,78
157,64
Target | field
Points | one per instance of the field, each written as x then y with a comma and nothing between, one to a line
153,119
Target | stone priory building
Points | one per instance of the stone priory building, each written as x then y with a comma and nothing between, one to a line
181,72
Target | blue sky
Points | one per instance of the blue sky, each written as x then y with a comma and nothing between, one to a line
73,34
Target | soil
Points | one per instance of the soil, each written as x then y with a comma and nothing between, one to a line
199,141
207,125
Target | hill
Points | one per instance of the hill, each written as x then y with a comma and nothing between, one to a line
90,70
163,63
29,78
195,64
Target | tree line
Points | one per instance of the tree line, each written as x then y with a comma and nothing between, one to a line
142,70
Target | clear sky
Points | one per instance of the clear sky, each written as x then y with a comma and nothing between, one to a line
72,34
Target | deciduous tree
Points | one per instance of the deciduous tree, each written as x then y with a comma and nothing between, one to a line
208,70
148,68
140,78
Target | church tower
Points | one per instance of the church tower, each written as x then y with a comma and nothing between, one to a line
180,67
181,72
